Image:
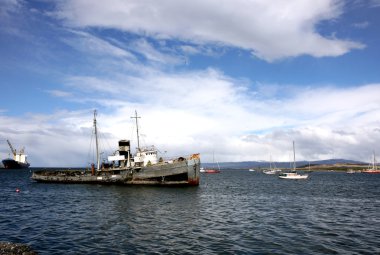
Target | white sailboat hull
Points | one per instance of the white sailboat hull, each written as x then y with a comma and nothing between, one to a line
293,176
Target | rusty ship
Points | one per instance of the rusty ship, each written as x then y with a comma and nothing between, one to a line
124,168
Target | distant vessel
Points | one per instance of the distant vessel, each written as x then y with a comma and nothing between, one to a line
251,170
373,169
272,168
211,170
123,168
270,171
293,174
19,159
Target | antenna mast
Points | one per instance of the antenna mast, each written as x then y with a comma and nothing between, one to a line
96,141
137,129
294,158
374,166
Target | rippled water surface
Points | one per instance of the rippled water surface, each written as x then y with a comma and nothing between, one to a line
234,212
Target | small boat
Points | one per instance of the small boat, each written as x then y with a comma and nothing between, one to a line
19,159
251,170
270,171
123,168
211,170
372,169
350,171
293,174
272,168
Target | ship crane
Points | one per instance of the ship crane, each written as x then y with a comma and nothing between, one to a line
14,152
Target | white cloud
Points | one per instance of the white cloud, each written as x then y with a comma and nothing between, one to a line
206,112
270,29
361,25
375,3
143,47
59,93
9,7
91,44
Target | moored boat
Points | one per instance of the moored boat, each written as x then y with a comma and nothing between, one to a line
293,174
373,169
211,170
272,168
144,167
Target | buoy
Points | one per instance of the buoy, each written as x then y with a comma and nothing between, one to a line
17,190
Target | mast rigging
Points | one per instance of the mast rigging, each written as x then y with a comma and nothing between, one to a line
137,129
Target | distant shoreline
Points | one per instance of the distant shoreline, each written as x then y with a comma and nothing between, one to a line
340,167
313,168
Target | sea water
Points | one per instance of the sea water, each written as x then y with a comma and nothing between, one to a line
234,212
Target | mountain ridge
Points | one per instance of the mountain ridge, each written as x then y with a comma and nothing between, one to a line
265,164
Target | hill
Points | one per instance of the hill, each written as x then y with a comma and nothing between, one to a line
329,163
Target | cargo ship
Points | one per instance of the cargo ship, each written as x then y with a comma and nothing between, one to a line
124,168
19,159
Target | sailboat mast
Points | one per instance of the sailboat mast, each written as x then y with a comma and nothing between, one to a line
96,142
374,161
137,130
294,158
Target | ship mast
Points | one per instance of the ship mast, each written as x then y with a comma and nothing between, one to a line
294,158
137,129
96,141
374,165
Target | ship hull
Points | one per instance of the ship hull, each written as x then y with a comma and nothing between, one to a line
181,173
13,164
371,171
293,176
211,171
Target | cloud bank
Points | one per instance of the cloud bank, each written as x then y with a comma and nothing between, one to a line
271,30
206,112
189,110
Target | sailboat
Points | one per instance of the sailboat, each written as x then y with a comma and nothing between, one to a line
124,168
272,168
293,174
374,169
211,170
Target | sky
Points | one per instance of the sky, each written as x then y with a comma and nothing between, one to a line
232,80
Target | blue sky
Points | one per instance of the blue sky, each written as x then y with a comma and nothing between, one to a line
238,79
